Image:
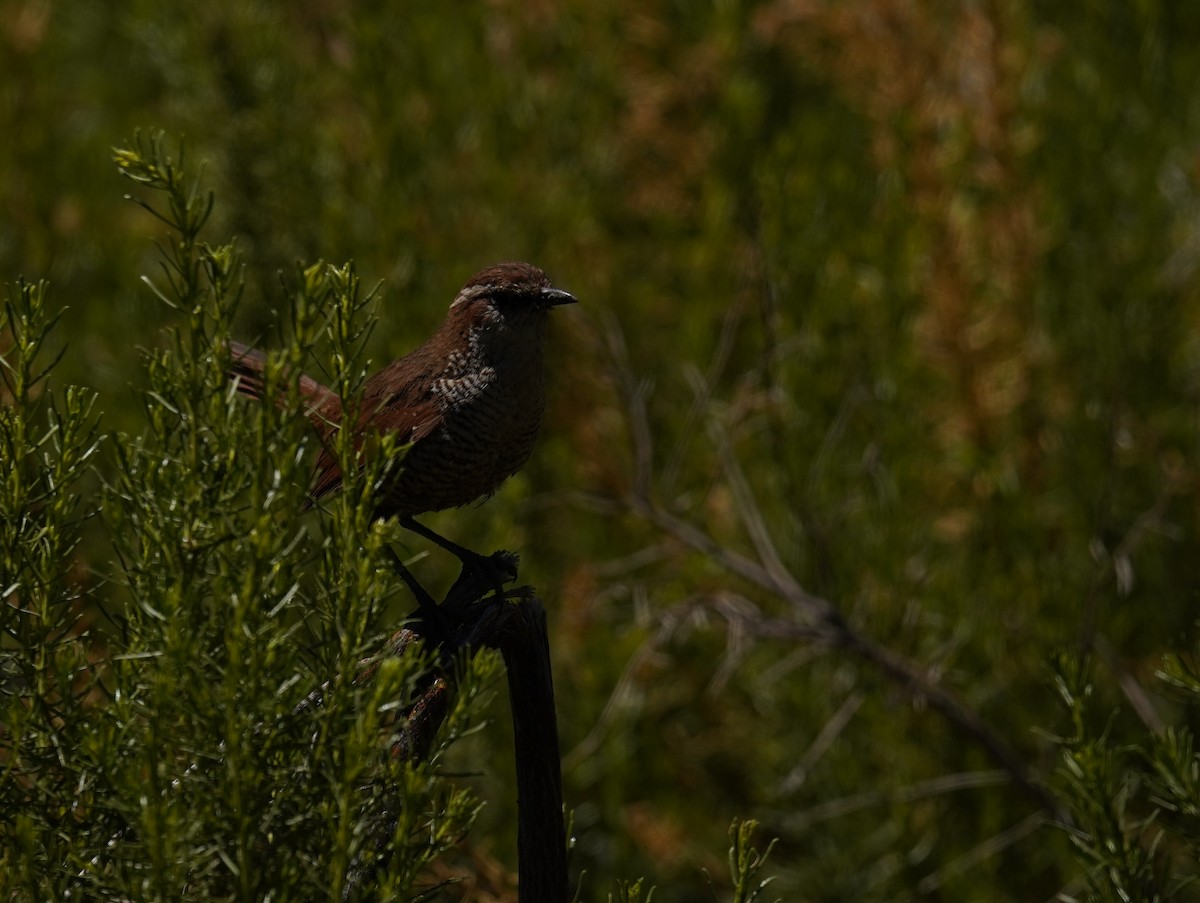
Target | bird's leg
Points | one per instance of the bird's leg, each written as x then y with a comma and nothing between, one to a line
433,619
496,570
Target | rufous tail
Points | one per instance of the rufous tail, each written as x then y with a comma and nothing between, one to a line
246,367
322,405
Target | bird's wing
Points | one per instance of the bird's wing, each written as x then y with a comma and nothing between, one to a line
397,401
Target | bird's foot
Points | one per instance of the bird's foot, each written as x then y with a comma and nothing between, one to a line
488,571
483,573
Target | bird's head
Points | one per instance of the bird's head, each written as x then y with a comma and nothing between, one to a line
511,295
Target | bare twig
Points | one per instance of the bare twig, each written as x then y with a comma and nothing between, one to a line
816,619
623,690
814,609
949,783
748,510
993,846
824,740
1138,698
1117,563
704,387
634,393
821,621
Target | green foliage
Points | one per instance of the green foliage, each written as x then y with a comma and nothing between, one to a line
1100,785
745,863
215,738
632,892
210,736
46,678
909,292
1133,806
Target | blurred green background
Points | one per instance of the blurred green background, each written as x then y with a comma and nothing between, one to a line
908,287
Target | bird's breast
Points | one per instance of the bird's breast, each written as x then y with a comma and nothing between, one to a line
464,386
490,416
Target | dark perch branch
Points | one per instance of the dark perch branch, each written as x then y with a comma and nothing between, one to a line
516,625
541,836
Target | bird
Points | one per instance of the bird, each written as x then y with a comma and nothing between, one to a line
467,403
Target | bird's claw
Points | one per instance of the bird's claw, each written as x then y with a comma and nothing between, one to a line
483,573
503,566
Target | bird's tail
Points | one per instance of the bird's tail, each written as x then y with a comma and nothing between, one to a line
246,369
321,404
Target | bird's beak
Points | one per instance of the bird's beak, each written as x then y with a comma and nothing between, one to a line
553,297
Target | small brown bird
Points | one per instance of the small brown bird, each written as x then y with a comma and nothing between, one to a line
469,401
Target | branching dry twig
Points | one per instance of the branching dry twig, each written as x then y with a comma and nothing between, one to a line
949,783
824,740
982,852
816,619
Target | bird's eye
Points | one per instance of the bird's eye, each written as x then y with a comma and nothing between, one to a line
509,295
